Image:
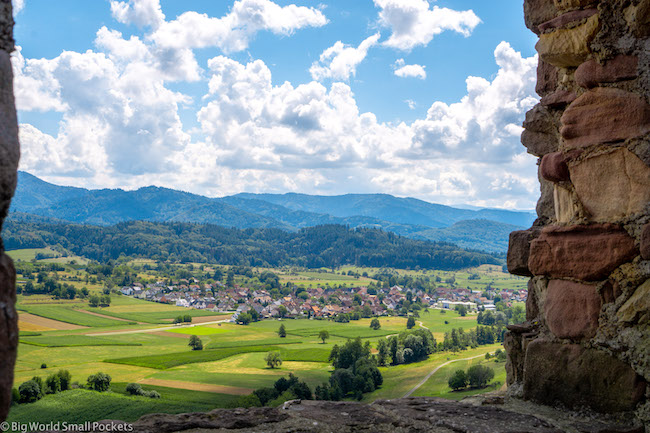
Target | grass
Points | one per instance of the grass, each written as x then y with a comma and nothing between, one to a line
170,360
163,315
28,254
74,340
244,343
64,313
199,330
305,355
28,334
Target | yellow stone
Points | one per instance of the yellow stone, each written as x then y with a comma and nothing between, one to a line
612,186
565,202
568,47
638,304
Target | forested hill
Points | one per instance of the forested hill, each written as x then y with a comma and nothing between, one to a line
313,247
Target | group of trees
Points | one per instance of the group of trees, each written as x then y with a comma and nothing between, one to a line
408,346
35,388
477,376
284,389
99,301
136,389
503,316
195,343
459,339
183,319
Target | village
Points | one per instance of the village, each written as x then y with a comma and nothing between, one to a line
316,302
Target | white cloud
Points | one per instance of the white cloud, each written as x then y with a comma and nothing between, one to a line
142,13
340,60
411,104
234,31
404,71
35,86
18,5
413,23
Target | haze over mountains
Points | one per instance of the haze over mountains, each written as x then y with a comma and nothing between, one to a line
485,229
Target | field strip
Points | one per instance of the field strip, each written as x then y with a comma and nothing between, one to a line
47,323
432,372
104,316
160,328
193,386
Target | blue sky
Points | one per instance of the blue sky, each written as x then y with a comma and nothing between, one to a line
406,97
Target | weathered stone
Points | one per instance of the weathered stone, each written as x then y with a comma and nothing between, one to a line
571,309
588,253
645,242
637,308
591,73
537,12
558,99
610,291
541,134
604,115
554,168
568,47
518,248
566,19
638,18
547,78
575,376
545,207
612,186
566,204
532,302
573,4
8,331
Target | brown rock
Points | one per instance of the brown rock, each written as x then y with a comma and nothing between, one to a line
566,19
545,207
566,204
518,249
637,308
571,309
532,302
638,18
554,168
559,98
541,134
592,73
604,115
573,4
610,291
612,186
537,12
575,376
546,78
645,242
568,47
588,253
8,331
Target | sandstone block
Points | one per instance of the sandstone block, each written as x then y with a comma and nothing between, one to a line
645,242
637,308
588,253
575,376
546,78
571,309
568,47
604,115
592,73
567,19
518,249
559,98
541,134
612,186
537,12
565,203
573,4
554,168
546,204
8,331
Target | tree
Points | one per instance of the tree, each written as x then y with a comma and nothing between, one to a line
53,384
382,355
282,332
282,311
458,380
410,323
29,391
323,335
93,301
99,382
462,310
273,359
479,376
374,324
195,343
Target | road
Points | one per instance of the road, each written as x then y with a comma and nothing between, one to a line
160,328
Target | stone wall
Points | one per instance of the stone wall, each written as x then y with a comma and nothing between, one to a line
586,341
9,154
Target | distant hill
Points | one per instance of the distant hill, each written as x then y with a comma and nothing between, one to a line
482,229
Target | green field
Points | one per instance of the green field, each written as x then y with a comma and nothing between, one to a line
74,340
68,314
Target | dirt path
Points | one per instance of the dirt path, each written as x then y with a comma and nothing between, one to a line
422,324
158,329
193,386
432,372
46,323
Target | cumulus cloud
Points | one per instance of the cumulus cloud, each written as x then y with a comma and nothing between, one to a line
18,6
412,22
142,13
404,71
340,60
234,31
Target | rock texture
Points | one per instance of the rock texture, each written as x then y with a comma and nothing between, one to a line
9,154
586,341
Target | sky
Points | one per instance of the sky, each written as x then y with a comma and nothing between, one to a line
413,98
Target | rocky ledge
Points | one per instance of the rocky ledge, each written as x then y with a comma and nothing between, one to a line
408,415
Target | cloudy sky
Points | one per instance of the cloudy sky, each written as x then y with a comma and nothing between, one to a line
408,97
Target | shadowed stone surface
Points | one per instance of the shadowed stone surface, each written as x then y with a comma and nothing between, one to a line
645,242
546,78
572,309
541,135
637,308
573,4
592,73
565,19
537,12
604,115
588,253
566,373
559,98
518,249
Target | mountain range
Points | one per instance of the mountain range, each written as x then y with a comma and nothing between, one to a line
483,229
